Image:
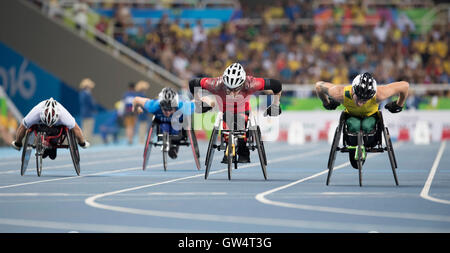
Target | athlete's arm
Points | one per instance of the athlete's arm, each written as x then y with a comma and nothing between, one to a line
79,135
273,86
389,90
327,90
20,133
138,104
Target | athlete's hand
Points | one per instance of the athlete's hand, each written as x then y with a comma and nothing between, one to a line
273,110
332,105
85,145
393,107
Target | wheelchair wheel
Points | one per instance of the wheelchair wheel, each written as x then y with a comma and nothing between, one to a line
194,146
210,152
390,150
165,149
332,157
261,152
39,152
231,152
360,156
262,145
148,146
26,152
74,151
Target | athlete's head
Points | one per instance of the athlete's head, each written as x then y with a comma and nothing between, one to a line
234,76
50,113
168,101
364,88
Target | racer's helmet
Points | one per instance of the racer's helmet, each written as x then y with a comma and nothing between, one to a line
364,86
168,99
234,76
50,113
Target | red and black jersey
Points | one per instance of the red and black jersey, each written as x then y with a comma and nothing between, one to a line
229,103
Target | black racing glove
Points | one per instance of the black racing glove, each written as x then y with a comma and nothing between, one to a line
332,105
273,110
202,107
393,107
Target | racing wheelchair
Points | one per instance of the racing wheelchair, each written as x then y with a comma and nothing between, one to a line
360,149
254,141
155,137
41,137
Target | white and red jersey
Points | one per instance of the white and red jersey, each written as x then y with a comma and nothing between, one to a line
228,103
34,116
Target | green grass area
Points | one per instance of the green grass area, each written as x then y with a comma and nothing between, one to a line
311,104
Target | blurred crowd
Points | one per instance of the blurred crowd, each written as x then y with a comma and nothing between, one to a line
393,49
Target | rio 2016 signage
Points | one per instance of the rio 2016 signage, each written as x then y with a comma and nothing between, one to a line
26,84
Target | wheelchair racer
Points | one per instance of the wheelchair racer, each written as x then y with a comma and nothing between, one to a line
232,91
49,113
361,101
163,108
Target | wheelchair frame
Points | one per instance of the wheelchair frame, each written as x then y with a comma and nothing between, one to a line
37,138
380,132
155,138
254,141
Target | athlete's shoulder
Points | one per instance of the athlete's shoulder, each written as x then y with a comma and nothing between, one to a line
211,82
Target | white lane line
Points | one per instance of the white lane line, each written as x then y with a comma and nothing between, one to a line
66,155
99,228
335,226
186,193
426,188
42,194
261,197
93,174
113,160
82,164
91,201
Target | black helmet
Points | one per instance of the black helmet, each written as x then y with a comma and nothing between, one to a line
168,99
364,86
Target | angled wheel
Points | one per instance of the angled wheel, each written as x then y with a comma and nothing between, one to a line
210,152
39,152
262,145
261,152
148,145
332,157
194,147
165,149
74,151
230,153
360,156
390,150
26,152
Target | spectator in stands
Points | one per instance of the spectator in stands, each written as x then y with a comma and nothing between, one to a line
80,13
129,117
112,124
102,26
8,126
258,46
88,107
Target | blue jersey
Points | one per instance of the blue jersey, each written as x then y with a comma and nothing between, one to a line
184,107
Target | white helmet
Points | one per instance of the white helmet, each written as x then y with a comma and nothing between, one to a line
168,99
234,76
50,112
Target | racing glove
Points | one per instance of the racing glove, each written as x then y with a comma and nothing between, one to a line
332,105
273,110
393,107
84,145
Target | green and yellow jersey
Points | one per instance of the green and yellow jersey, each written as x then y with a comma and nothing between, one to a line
368,109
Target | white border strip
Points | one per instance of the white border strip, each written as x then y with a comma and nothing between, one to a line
426,188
